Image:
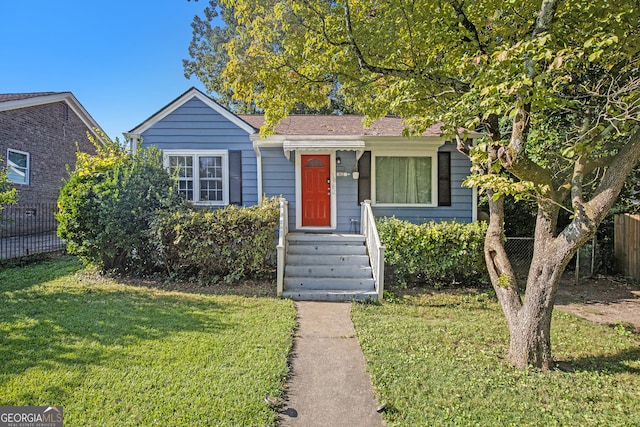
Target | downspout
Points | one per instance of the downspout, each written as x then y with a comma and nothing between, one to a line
474,193
474,204
259,169
134,140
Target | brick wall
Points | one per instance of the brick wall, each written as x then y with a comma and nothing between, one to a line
49,134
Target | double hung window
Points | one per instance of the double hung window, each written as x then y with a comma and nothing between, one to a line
202,176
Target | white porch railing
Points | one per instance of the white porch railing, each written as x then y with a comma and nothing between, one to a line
374,247
281,249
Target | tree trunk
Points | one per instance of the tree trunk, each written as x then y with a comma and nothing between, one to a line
529,315
530,332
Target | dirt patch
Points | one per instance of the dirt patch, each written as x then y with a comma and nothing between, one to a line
601,299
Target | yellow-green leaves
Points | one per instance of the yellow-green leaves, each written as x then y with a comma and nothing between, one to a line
598,45
8,195
504,185
458,63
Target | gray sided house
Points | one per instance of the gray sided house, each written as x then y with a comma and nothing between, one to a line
324,166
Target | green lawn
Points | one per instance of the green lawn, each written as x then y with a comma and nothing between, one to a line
113,354
437,361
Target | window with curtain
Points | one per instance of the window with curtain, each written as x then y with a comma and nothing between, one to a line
403,180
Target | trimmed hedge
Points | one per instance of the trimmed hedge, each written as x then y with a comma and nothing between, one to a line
121,213
434,254
227,244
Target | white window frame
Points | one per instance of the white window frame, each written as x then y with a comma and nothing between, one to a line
433,154
27,169
196,154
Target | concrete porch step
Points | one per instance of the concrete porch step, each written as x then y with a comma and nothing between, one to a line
328,259
333,283
340,239
346,271
326,249
327,267
330,295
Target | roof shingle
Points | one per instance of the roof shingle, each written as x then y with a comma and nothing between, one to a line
5,97
336,125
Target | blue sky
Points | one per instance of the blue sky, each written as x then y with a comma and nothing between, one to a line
122,59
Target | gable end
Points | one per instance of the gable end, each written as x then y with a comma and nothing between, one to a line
183,99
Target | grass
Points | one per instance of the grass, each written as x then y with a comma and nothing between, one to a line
114,354
437,359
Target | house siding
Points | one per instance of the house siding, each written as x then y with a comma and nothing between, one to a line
279,179
347,194
461,208
196,126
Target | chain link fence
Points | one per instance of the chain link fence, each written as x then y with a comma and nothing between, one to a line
520,251
28,229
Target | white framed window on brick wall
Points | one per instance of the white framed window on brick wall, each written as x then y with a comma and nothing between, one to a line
203,176
18,166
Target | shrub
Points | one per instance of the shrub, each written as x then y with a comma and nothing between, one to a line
227,244
435,254
8,195
106,205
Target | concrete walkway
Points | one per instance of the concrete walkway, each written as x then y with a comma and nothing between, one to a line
329,385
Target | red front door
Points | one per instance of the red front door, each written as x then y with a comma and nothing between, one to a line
316,190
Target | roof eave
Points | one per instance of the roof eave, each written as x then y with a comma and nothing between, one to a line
181,100
67,97
370,140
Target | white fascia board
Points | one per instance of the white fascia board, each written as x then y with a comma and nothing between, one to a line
66,97
181,100
266,143
37,100
86,118
370,140
274,140
323,144
399,144
403,143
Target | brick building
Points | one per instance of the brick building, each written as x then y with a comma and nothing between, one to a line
39,136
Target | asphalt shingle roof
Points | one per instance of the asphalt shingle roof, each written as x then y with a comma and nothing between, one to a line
5,97
335,125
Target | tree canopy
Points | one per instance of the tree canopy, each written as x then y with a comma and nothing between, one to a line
553,84
209,57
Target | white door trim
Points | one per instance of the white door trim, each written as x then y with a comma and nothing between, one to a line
334,216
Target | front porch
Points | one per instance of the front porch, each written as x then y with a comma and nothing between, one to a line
327,267
330,267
